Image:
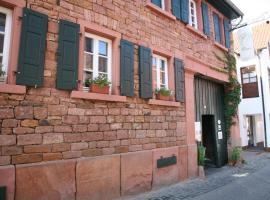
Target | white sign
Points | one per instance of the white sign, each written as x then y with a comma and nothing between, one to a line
198,131
220,135
246,43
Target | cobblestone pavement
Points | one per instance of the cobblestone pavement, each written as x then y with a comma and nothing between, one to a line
216,179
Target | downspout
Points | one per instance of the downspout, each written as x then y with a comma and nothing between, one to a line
263,105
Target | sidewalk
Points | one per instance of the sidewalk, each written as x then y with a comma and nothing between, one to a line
216,179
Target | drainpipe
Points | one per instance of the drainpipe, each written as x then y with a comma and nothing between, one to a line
263,105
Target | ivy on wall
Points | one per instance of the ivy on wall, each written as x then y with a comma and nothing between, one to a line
232,94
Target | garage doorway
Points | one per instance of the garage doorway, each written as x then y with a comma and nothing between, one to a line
208,138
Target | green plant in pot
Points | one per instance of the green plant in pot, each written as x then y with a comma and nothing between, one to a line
235,156
163,94
100,84
201,160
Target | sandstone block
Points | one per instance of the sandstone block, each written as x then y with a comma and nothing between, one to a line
98,178
166,175
50,180
7,140
136,172
29,123
6,113
7,174
29,139
9,123
27,158
52,138
24,112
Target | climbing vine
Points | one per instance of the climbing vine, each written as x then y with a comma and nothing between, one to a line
232,94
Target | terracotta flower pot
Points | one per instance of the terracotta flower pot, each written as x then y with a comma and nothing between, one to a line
201,172
162,97
97,89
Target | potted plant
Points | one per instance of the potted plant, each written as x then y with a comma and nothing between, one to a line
163,94
201,160
235,157
100,84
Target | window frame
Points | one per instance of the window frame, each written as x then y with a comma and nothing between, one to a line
96,55
158,67
214,13
162,4
253,88
7,38
195,14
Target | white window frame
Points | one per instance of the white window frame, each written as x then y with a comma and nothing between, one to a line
7,38
158,66
195,22
96,55
163,4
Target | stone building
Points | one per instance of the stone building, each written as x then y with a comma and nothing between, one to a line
60,141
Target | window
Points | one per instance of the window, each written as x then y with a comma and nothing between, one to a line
160,72
5,33
192,14
97,57
217,27
159,3
249,82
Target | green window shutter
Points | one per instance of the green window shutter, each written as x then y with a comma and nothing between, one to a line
179,80
176,8
145,71
127,69
157,2
227,33
68,55
205,16
185,11
30,70
217,28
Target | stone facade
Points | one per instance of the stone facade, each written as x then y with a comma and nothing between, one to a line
46,124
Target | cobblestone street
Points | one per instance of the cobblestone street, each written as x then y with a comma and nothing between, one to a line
224,183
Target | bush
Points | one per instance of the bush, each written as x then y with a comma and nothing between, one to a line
235,155
201,155
101,81
163,91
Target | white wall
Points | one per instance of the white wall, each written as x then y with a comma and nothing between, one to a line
253,106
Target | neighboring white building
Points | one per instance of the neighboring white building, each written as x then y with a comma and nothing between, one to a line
253,71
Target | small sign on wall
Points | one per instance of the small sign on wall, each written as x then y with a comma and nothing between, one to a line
198,131
220,135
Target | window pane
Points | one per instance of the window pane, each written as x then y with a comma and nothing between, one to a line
2,22
89,45
154,61
245,75
162,77
88,61
102,64
87,76
1,43
253,80
252,74
103,48
162,65
245,80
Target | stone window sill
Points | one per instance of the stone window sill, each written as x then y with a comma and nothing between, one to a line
158,10
196,31
96,96
164,103
12,89
220,46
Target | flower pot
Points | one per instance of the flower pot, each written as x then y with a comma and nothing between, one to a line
201,172
163,98
97,89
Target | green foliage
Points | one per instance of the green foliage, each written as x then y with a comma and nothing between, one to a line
2,73
201,155
101,81
236,154
163,91
233,92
